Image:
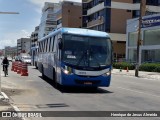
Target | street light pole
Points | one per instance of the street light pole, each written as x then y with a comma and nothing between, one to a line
9,12
142,11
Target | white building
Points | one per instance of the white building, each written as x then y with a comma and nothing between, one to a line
34,37
23,45
150,39
10,51
48,19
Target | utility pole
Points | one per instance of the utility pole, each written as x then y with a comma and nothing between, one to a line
142,12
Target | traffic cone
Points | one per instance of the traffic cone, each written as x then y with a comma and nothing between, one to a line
15,66
127,69
13,63
19,68
24,70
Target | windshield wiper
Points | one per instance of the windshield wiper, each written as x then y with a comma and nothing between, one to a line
82,58
91,55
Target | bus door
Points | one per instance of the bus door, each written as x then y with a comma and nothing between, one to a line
58,61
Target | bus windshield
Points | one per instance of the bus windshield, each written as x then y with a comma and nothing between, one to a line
86,51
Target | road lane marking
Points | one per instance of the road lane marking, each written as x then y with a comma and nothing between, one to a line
139,92
17,110
140,78
131,82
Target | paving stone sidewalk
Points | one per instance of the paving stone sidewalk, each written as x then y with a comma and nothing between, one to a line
142,74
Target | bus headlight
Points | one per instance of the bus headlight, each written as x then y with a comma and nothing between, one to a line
107,73
67,70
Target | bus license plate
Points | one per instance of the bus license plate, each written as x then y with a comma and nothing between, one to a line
88,83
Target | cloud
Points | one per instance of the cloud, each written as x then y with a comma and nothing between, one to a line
11,38
25,33
40,3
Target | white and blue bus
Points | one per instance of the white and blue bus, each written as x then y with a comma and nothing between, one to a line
76,57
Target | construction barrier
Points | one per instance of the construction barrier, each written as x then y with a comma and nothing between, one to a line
13,63
24,70
15,66
19,68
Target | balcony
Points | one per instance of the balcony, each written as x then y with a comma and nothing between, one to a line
96,22
96,8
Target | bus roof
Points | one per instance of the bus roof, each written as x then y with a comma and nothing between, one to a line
85,32
78,31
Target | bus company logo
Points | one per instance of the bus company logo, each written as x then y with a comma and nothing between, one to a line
82,73
6,114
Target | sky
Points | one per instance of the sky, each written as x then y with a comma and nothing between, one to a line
16,26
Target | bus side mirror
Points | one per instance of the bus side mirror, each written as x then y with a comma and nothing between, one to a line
60,44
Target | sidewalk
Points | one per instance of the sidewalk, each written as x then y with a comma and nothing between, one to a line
4,105
142,74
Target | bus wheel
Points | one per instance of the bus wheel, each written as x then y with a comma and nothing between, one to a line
54,78
43,76
36,65
54,75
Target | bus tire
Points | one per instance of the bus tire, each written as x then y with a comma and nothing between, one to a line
54,78
54,75
36,65
43,76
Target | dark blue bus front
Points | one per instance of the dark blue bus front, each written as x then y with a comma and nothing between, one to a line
85,61
92,78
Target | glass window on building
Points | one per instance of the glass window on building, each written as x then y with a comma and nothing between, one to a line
101,27
136,13
132,39
151,55
152,37
132,55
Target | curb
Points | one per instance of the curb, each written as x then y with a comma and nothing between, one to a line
5,97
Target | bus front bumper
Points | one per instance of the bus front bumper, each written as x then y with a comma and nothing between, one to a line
86,81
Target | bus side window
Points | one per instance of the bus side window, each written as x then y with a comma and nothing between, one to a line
40,45
53,40
43,46
49,45
46,44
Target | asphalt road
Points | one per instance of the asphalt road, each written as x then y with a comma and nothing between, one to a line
126,93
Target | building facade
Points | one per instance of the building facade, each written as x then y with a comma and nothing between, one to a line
10,51
48,19
34,37
23,45
150,39
69,15
111,16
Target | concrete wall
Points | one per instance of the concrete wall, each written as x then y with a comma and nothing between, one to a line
119,18
71,16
